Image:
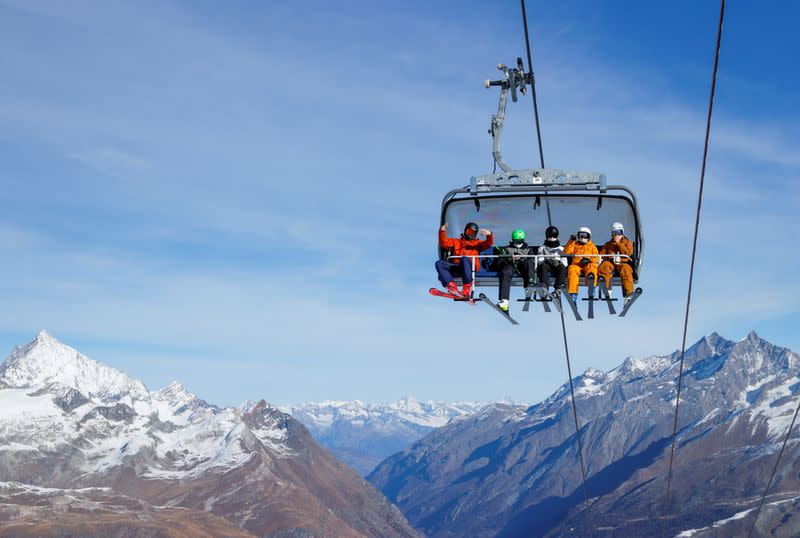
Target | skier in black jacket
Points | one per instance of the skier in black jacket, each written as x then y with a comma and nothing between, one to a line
512,260
552,266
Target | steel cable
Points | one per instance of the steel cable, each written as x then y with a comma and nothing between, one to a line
774,469
691,266
563,324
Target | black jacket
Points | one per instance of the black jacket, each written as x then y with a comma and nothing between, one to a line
511,250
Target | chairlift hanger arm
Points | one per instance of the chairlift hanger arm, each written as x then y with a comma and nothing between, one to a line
515,79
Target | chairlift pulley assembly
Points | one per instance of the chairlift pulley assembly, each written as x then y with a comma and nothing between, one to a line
512,198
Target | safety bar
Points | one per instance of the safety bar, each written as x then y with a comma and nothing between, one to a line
536,261
539,256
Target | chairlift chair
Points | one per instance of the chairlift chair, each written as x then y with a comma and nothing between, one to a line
532,199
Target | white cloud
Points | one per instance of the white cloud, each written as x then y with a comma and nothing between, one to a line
207,148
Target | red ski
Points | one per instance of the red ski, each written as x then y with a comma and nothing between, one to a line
439,293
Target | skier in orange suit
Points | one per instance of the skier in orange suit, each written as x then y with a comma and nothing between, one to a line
584,259
622,248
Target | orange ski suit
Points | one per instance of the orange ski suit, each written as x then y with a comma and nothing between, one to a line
606,270
575,270
465,247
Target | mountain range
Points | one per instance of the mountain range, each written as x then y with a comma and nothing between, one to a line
364,434
515,471
87,450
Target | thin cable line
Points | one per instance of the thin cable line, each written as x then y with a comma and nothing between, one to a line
691,266
533,97
774,469
563,324
577,429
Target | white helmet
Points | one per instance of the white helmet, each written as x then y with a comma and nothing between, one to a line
617,227
584,230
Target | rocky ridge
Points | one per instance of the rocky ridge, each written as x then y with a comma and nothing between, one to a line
508,470
75,433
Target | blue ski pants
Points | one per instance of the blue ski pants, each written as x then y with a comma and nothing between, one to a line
447,270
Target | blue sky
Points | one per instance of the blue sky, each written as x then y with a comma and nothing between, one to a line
246,200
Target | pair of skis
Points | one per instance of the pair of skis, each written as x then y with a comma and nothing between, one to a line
482,297
538,293
603,295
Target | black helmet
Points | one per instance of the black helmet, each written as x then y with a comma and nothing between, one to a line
551,232
471,230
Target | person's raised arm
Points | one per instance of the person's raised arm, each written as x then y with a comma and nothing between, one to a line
444,241
486,243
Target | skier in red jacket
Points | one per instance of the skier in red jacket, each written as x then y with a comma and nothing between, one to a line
465,246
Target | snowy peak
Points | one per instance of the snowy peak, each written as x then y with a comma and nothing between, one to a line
751,357
708,346
177,405
174,392
409,404
45,360
710,358
594,374
634,367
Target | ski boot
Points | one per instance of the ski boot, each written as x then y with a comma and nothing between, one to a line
503,305
452,289
466,291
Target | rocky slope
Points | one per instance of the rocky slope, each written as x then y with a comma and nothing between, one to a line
510,471
70,425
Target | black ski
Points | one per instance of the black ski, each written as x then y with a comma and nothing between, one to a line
528,299
488,301
541,291
604,294
571,302
591,297
636,293
556,299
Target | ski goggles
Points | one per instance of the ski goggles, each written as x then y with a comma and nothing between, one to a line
617,232
583,236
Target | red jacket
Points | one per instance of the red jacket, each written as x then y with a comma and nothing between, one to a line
465,247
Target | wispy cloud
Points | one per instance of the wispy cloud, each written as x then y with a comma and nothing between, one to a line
271,197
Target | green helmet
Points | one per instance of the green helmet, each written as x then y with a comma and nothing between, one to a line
518,235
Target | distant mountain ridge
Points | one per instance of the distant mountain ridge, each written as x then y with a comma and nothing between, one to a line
508,471
364,434
86,449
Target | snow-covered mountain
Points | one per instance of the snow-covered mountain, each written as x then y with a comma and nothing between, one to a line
508,471
362,435
72,428
45,360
